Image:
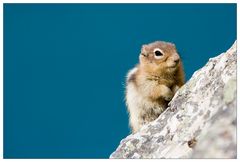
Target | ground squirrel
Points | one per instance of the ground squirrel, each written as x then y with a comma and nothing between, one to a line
153,82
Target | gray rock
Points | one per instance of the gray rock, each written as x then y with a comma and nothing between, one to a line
200,121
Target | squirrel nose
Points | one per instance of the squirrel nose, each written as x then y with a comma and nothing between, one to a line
176,60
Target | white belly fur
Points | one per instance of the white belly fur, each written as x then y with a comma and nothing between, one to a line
139,106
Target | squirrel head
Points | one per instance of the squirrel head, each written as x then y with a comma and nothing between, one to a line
159,56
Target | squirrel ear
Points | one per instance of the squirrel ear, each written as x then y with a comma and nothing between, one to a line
144,48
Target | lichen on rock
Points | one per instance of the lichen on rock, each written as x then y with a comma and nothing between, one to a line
200,121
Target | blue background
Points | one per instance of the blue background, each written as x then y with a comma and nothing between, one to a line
65,67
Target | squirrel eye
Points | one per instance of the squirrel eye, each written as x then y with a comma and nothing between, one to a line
158,53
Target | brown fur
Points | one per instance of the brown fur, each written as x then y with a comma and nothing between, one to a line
153,83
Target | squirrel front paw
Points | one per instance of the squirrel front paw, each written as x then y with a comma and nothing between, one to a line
167,94
175,88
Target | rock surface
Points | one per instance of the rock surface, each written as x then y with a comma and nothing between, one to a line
200,121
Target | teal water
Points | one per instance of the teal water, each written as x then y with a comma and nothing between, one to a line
65,67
